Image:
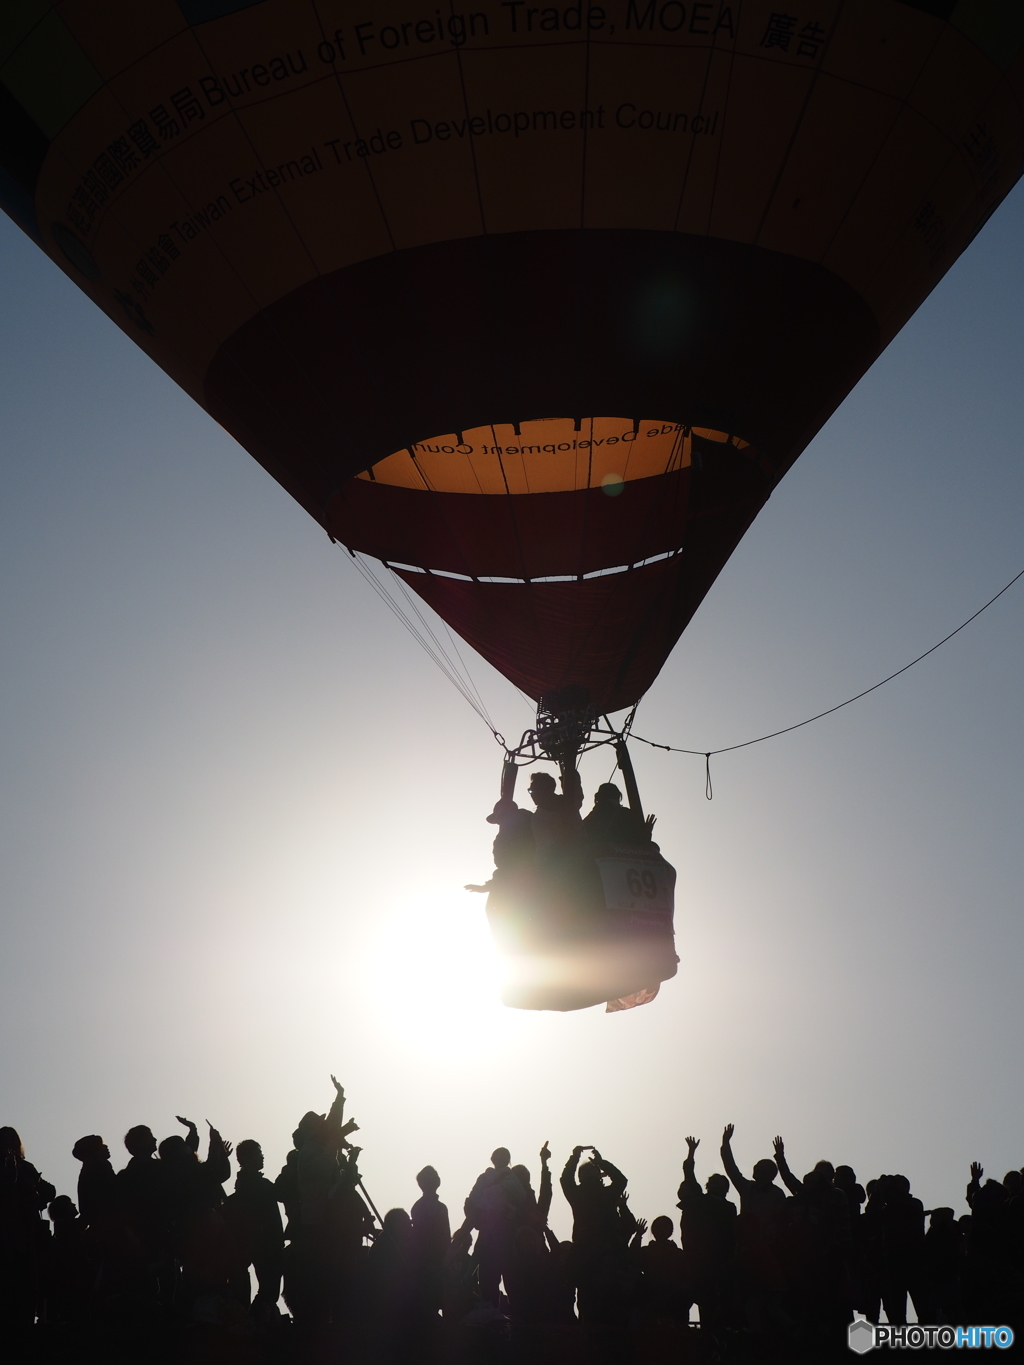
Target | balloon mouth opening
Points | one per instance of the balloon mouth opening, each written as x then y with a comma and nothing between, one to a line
548,455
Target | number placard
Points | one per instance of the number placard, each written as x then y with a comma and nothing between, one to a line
637,883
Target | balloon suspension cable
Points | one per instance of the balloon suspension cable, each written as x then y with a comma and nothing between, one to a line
708,754
419,627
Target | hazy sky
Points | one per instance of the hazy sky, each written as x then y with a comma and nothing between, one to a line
239,803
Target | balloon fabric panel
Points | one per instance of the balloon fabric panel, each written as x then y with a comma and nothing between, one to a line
347,235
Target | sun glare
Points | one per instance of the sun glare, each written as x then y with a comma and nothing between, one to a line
437,977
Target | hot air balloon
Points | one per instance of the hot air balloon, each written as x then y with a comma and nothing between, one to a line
534,304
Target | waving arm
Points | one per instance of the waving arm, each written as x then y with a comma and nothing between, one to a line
729,1161
788,1178
544,1193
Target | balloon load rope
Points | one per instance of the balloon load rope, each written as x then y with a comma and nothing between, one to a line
709,754
412,618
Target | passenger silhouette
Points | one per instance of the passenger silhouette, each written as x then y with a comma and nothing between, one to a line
326,1218
514,847
895,1221
98,1202
143,1195
610,822
944,1251
595,1195
861,1272
760,1280
992,1267
708,1229
594,1203
69,1270
393,1299
493,1205
431,1237
254,1222
198,1236
845,1179
556,823
513,844
536,1207
107,1237
23,1196
663,1291
821,1243
460,1289
318,1142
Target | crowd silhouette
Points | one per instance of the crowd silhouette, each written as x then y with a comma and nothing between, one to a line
160,1252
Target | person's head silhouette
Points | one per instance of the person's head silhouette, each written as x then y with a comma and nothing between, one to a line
90,1148
249,1155
765,1171
428,1180
140,1141
396,1226
662,1228
500,1158
175,1151
717,1185
11,1145
62,1210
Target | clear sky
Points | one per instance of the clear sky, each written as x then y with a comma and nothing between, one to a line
239,803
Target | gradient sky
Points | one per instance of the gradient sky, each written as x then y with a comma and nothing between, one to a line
239,803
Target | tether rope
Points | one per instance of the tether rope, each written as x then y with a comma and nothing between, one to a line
708,754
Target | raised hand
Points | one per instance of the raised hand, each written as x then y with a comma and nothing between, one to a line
545,1153
730,1128
338,1087
779,1148
977,1170
692,1144
216,1137
641,1226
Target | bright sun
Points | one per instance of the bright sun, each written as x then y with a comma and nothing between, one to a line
438,977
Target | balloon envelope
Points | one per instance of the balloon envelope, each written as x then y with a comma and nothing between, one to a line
536,303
